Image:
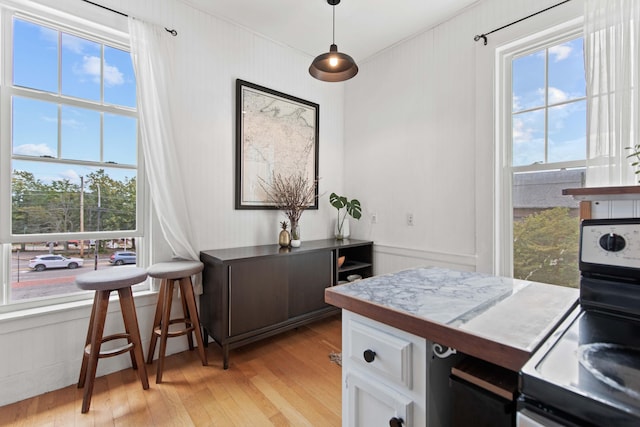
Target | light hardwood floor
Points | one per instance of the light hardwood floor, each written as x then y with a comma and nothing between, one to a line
287,380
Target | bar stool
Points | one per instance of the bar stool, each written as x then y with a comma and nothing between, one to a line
104,282
170,272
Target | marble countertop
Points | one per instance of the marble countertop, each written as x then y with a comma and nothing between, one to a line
497,319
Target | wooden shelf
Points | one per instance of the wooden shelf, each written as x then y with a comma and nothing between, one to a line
493,378
631,192
354,265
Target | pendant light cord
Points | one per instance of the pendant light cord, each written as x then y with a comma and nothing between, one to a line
334,24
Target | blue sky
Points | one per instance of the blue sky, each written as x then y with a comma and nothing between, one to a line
567,122
80,74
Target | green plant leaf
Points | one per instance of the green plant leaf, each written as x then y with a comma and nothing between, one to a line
337,202
354,209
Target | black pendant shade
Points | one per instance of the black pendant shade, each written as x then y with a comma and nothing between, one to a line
333,66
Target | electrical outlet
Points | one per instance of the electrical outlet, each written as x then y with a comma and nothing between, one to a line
374,218
410,219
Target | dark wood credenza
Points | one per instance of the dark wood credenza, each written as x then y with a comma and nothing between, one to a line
254,292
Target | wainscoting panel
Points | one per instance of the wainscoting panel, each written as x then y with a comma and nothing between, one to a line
389,259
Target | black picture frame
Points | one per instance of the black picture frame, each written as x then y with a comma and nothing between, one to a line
276,133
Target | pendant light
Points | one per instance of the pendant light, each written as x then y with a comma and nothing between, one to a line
333,66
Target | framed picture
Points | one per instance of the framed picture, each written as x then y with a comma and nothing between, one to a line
275,134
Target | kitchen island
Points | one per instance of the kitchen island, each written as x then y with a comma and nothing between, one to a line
403,332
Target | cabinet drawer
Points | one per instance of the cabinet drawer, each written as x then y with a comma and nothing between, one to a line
376,405
387,355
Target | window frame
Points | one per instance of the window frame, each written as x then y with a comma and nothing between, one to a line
503,261
91,30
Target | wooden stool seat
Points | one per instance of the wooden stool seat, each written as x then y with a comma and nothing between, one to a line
104,282
170,272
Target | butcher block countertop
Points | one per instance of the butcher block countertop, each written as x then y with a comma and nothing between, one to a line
496,319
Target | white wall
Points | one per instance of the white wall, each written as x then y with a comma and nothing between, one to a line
419,138
42,352
412,133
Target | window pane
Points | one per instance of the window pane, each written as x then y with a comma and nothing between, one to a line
80,134
35,56
567,132
45,269
528,81
119,79
35,128
120,137
528,138
566,72
546,227
48,198
81,67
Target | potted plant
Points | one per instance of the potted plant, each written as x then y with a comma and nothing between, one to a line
292,194
351,207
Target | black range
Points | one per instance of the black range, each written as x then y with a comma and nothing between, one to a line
588,372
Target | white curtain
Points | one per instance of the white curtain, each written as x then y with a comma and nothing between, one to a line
152,51
612,53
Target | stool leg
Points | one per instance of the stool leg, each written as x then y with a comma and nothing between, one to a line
164,327
127,305
85,356
185,312
187,293
156,322
134,363
102,302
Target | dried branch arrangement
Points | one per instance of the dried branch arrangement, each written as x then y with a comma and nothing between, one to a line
292,194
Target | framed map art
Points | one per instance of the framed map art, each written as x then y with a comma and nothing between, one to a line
275,134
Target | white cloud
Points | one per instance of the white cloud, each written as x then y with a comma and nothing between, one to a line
516,106
73,124
556,95
71,175
49,36
77,45
560,52
91,67
520,132
112,76
33,150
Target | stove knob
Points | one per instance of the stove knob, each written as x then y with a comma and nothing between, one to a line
612,242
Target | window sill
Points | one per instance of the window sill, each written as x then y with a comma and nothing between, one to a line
40,316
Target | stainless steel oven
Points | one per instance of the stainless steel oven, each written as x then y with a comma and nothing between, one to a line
587,373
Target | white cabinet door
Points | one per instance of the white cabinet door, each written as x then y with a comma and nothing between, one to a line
373,405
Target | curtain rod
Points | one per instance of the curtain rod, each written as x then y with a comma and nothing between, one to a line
172,32
484,35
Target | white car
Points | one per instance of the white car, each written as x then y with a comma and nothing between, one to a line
42,262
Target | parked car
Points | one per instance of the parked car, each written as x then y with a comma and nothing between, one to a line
42,262
119,258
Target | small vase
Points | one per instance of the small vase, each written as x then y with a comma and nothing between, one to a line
343,233
295,235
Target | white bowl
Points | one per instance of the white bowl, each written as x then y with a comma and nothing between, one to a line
354,277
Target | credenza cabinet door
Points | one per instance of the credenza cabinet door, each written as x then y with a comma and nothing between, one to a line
309,275
257,294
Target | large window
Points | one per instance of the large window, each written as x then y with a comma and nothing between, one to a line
69,132
544,152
